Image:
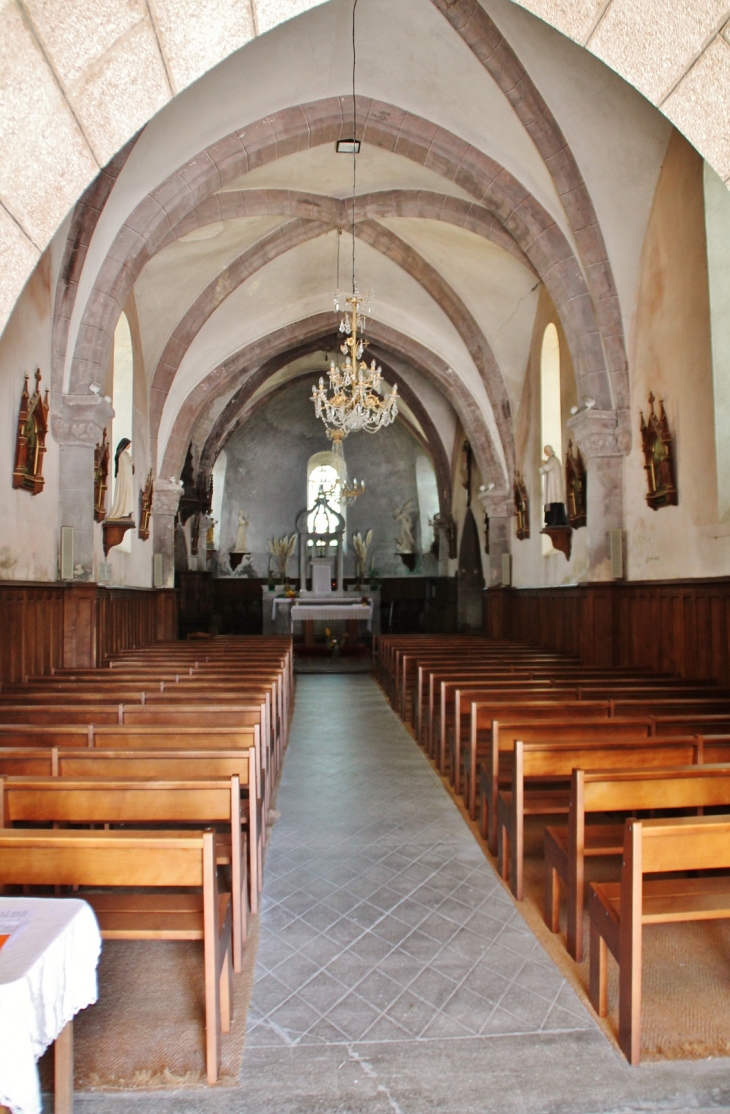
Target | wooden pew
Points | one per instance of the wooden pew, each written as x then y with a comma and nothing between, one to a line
134,802
436,711
132,859
547,763
165,765
61,714
484,715
496,757
46,735
461,695
603,792
618,911
28,761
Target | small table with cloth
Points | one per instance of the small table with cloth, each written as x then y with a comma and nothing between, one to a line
47,974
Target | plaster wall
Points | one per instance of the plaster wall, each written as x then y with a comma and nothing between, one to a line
671,355
28,523
717,224
530,567
266,471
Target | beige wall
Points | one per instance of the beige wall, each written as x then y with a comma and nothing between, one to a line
670,354
28,523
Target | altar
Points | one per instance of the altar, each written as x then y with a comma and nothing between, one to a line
308,609
327,601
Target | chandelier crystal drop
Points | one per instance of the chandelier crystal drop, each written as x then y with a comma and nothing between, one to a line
354,400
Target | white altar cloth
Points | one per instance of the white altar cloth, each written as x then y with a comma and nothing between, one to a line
333,610
310,599
47,974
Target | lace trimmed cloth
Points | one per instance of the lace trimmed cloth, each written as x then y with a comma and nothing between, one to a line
47,974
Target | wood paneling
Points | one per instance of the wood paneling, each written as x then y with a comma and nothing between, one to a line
680,627
47,626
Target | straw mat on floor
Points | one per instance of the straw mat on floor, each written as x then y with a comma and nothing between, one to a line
147,1029
686,970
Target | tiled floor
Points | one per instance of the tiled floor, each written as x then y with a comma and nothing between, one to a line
382,921
395,975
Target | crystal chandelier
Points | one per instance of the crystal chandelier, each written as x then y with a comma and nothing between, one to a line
355,400
348,492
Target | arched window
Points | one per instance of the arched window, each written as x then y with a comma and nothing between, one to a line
219,483
551,420
323,477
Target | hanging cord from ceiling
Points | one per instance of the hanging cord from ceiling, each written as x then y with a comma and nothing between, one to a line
354,140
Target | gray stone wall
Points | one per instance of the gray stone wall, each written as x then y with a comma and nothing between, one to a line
266,476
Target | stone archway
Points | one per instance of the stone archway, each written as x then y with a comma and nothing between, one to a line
169,212
680,64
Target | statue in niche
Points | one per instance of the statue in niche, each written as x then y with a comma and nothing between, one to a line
658,458
210,534
575,486
553,489
30,442
522,508
402,515
101,473
241,535
124,483
145,508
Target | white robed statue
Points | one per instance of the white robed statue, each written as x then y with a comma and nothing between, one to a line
553,489
124,483
243,524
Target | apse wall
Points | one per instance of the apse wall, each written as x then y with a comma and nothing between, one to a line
266,475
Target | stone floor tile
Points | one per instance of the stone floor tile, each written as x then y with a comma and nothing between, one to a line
412,1013
353,1015
322,991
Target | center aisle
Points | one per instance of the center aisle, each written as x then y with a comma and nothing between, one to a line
394,972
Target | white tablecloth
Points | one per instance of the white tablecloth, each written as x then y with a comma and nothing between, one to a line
47,974
327,611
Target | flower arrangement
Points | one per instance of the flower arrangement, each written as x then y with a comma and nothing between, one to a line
281,549
334,641
361,546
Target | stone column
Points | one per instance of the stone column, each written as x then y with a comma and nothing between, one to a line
597,435
77,426
165,500
500,509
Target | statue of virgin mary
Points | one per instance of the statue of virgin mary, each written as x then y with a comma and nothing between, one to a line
124,486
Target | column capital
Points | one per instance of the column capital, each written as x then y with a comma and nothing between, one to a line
166,497
596,432
81,419
497,504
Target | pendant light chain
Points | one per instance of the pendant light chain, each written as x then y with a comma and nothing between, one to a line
354,141
354,400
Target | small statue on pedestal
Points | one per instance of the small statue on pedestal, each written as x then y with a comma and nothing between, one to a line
243,524
553,489
402,515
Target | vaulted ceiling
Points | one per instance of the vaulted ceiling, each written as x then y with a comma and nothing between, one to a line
498,159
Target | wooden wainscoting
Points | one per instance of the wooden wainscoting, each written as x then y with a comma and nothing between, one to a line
680,627
47,626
